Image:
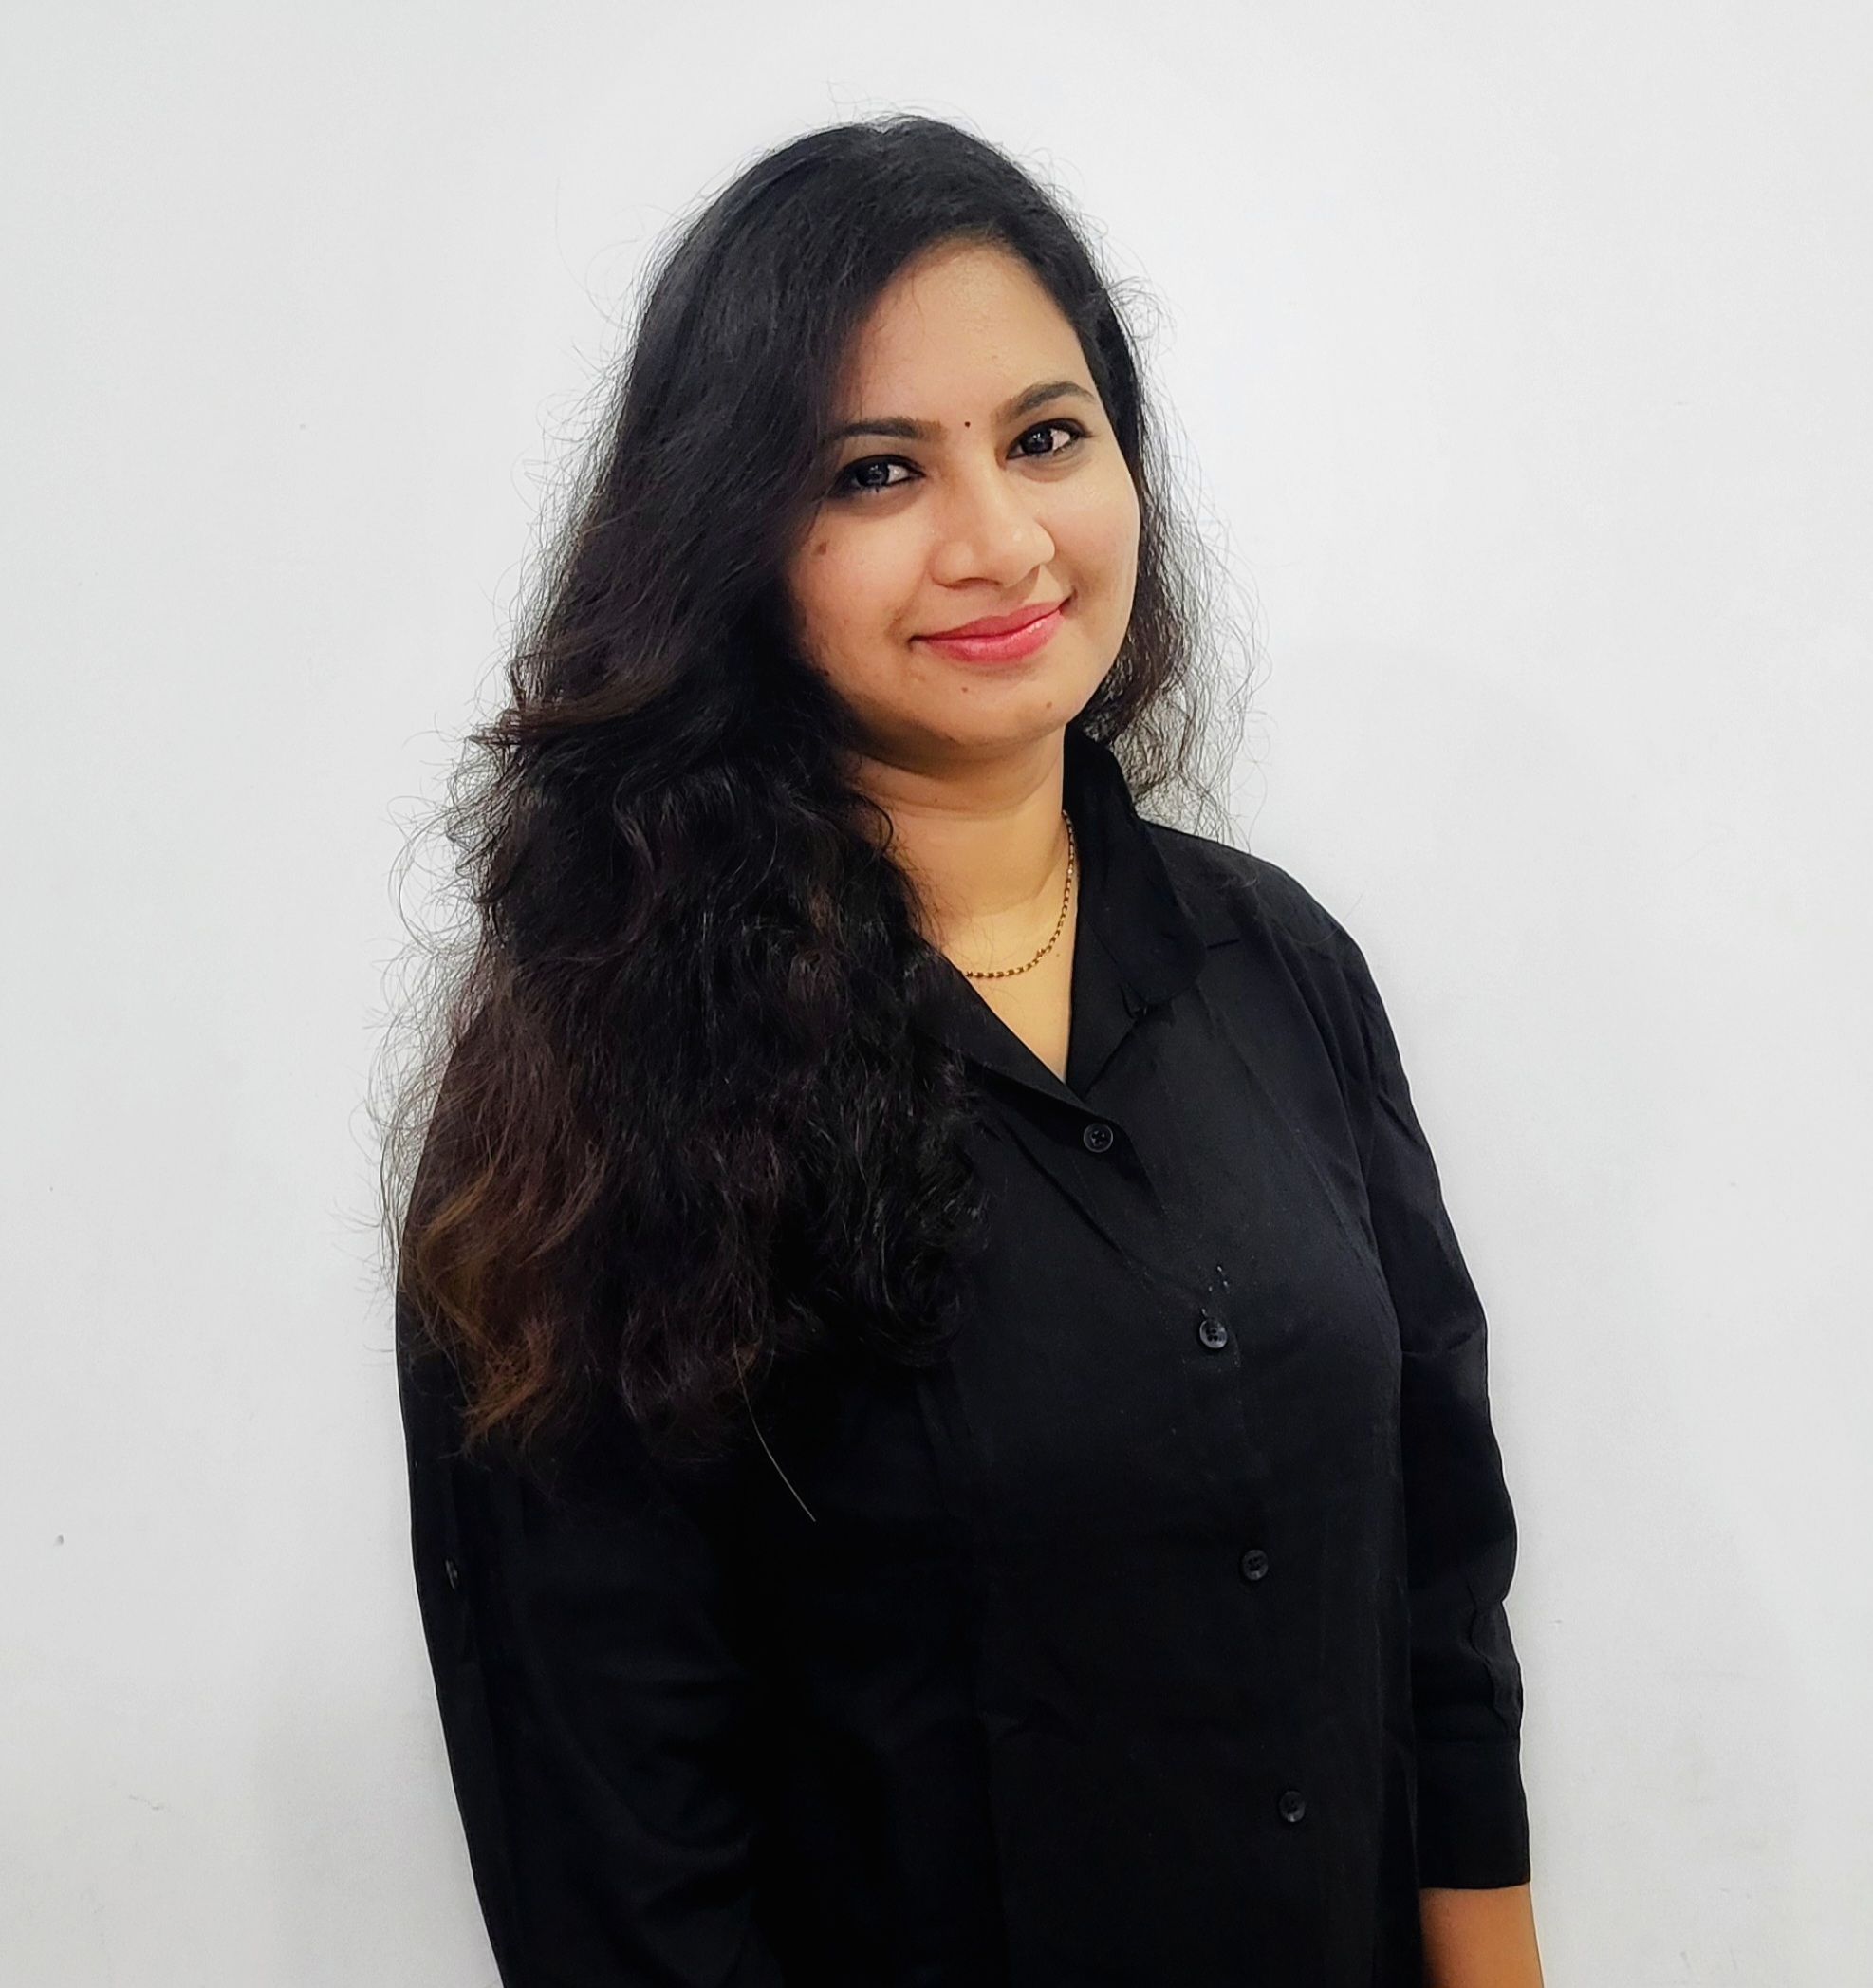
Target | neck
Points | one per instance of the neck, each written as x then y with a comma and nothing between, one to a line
984,845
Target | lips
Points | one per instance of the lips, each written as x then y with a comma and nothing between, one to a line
999,639
997,623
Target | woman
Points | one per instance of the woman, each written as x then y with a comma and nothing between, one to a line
946,1423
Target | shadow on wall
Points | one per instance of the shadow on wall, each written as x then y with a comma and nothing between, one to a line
371,1886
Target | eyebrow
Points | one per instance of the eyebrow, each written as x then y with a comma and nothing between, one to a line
901,428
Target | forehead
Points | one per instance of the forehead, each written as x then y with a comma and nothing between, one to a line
959,322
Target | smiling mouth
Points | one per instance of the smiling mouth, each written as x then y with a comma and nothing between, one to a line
994,624
1015,638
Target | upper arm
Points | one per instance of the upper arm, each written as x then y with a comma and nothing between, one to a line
594,1708
1460,1524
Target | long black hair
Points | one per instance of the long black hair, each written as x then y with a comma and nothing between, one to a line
673,1122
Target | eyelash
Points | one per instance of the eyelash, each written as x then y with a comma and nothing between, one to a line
844,487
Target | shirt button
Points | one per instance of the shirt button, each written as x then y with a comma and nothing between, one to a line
452,1573
1254,1564
1212,1332
1293,1805
1096,1137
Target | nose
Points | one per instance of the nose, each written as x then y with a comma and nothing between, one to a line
990,529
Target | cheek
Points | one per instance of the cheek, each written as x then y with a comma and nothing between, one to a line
1100,534
848,589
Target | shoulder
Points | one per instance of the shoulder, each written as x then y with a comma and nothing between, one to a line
1277,950
1235,895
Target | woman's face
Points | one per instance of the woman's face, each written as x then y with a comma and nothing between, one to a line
986,482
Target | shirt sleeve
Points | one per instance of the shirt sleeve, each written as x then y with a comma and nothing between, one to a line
593,1708
1473,1827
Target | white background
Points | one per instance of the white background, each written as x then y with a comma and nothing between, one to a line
1524,352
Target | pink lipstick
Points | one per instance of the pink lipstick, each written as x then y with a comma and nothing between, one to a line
1000,637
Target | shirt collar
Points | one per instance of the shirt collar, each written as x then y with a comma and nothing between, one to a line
1136,940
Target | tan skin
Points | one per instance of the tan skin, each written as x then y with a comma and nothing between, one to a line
1003,499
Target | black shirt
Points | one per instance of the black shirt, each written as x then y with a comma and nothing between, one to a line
1153,1639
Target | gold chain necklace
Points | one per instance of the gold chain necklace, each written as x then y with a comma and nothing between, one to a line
1059,924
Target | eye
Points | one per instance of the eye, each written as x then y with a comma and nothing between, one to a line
1071,429
857,477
